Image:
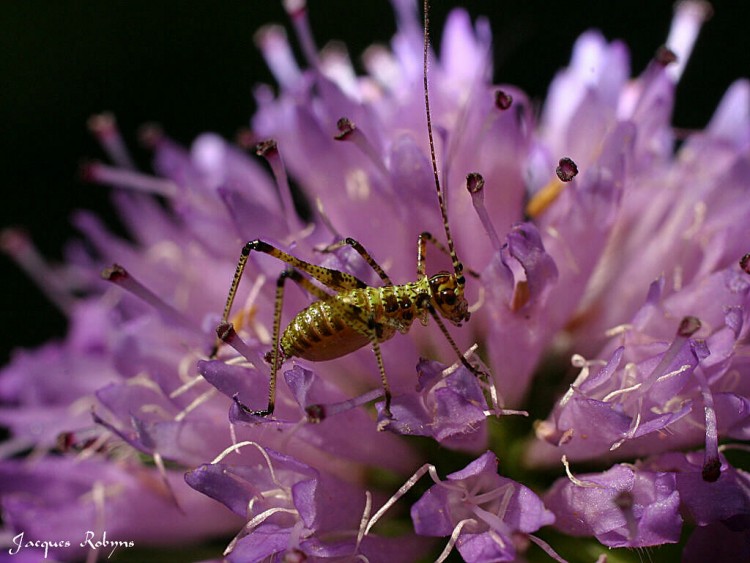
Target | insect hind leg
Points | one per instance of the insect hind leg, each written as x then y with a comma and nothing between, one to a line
333,279
276,355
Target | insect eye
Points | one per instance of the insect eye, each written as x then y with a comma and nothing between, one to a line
448,297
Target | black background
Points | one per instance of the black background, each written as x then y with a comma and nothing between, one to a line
190,65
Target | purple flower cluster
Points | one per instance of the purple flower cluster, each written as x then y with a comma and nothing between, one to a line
592,237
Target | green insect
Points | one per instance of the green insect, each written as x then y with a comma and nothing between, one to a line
355,314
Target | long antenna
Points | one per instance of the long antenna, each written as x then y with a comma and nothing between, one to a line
457,266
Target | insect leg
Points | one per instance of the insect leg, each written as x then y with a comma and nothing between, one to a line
473,369
422,254
365,324
383,378
364,254
337,281
308,286
277,354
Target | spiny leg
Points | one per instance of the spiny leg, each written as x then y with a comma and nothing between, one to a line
366,325
276,353
356,245
383,378
333,279
473,369
422,255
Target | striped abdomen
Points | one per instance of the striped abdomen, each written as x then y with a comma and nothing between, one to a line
335,327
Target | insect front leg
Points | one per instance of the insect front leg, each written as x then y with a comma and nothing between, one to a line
356,245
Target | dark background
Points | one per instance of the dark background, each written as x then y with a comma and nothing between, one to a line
191,67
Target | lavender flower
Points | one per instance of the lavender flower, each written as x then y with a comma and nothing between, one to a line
592,239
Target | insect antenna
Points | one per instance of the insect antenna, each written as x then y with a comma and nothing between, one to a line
457,265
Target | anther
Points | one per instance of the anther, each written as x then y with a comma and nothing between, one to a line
115,274
104,127
346,127
475,186
503,100
348,131
267,148
315,413
150,135
566,169
227,334
689,326
745,263
665,56
711,470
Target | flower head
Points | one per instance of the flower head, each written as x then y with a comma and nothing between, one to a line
581,233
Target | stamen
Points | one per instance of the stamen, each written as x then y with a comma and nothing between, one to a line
410,482
453,539
689,17
98,497
198,401
297,10
160,467
348,131
327,220
566,170
365,519
273,44
260,518
617,392
227,334
16,244
316,413
711,461
575,480
688,326
121,178
270,151
122,278
237,447
547,548
475,185
104,126
185,387
495,522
